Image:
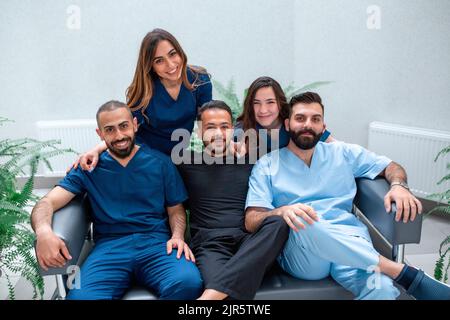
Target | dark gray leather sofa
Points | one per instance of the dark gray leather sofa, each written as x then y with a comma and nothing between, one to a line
72,224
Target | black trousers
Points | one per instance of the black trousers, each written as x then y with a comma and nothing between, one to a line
235,261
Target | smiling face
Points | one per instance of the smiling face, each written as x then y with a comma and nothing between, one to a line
216,130
305,125
266,108
167,62
117,128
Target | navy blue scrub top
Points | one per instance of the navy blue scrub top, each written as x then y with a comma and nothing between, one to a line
166,114
283,135
129,199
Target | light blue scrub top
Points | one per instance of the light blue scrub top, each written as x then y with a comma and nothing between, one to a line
281,178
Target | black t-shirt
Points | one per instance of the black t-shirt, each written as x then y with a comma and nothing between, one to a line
217,193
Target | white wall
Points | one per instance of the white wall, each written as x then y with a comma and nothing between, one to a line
51,72
396,74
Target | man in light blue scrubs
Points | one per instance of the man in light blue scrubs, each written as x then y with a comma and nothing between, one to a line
311,184
136,194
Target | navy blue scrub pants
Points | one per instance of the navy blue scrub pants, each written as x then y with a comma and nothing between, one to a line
116,262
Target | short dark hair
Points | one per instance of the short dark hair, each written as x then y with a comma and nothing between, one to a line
214,104
111,106
305,97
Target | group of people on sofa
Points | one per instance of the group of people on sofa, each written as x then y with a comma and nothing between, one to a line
293,205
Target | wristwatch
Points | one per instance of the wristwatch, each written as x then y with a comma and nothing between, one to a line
399,183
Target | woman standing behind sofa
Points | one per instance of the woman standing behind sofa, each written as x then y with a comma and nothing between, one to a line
164,95
266,107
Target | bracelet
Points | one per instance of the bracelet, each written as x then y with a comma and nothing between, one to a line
402,184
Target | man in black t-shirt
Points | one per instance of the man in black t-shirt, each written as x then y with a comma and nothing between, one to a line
232,261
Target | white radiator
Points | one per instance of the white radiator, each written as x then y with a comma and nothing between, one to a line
78,134
415,149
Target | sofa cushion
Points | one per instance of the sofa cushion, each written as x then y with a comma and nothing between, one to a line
277,285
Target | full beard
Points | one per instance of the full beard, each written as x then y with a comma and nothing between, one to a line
305,143
122,153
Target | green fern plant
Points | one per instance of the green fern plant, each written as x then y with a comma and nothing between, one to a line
20,157
443,263
228,94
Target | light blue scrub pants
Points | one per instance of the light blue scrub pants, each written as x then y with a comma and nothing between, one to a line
115,262
324,249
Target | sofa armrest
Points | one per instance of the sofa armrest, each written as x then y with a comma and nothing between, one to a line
71,223
370,201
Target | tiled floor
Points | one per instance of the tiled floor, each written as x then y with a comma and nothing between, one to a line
423,255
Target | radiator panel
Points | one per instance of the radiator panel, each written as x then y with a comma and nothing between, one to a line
415,149
78,134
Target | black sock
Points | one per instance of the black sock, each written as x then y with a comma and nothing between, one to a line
406,276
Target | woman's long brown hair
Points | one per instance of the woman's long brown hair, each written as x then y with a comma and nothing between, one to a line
247,118
140,91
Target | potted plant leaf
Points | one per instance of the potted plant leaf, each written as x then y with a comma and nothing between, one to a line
20,157
443,263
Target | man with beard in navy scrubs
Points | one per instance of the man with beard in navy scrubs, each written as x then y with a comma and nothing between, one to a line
136,196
